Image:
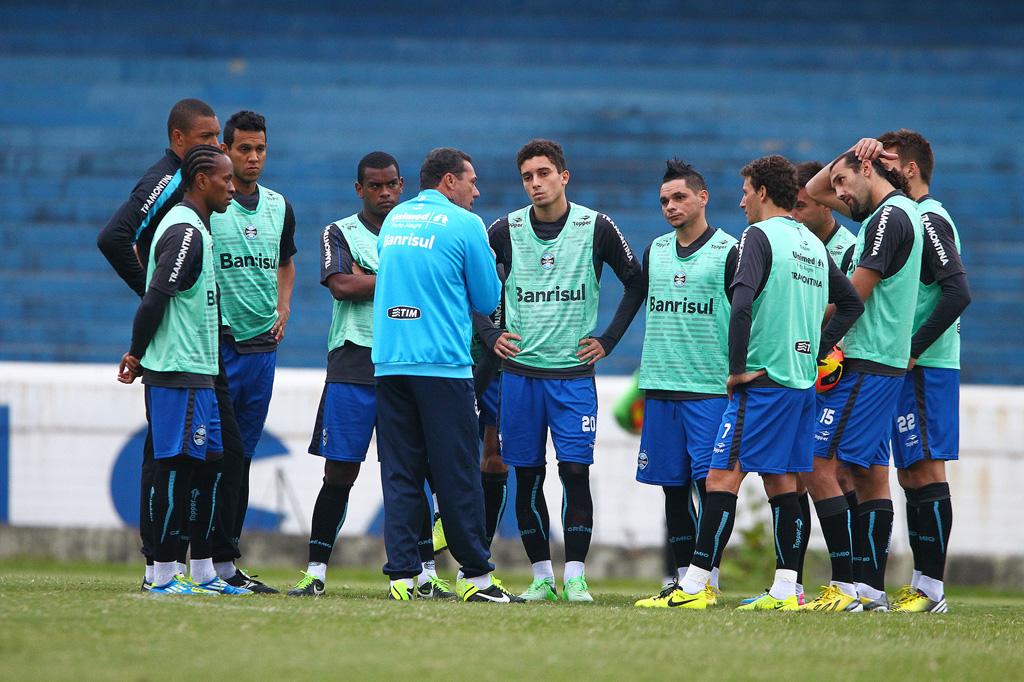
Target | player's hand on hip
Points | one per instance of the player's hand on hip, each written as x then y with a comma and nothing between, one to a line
735,380
910,365
128,369
504,347
356,270
591,350
282,321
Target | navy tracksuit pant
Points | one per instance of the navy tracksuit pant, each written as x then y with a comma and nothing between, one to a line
430,422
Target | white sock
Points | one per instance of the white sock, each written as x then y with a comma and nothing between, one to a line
915,579
544,569
849,589
695,579
164,572
481,581
429,571
318,570
149,573
225,569
573,569
681,572
799,589
784,585
932,588
405,581
713,579
203,571
181,568
459,576
868,592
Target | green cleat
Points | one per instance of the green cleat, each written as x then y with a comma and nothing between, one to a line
435,588
576,589
766,602
541,589
440,543
400,592
495,593
309,586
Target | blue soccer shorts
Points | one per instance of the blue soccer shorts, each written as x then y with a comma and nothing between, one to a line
767,430
854,422
677,439
183,421
531,406
344,422
927,422
251,383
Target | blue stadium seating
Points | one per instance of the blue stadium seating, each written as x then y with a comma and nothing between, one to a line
85,89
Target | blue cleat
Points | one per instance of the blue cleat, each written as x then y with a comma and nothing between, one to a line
220,587
177,586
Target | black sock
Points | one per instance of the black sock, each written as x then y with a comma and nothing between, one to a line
532,513
858,550
788,530
681,518
805,528
912,531
202,509
935,517
702,497
495,496
328,516
577,509
875,530
834,516
170,504
716,524
425,543
243,501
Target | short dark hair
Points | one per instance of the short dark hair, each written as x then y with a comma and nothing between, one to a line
677,169
894,177
911,146
377,160
542,147
777,175
441,161
249,121
185,112
805,171
198,159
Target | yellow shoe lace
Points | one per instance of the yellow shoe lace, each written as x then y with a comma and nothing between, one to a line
905,594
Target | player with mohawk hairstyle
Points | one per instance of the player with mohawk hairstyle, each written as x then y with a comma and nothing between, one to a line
687,274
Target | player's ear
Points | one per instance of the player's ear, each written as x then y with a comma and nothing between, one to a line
565,177
703,196
911,170
359,190
223,147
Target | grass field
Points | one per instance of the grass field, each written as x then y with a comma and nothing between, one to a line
61,621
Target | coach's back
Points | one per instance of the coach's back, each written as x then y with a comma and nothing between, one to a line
435,264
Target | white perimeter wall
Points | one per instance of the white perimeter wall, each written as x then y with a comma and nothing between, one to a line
69,422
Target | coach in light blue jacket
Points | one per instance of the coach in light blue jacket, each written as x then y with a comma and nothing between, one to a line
435,266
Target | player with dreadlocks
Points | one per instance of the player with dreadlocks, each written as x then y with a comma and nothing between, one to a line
174,350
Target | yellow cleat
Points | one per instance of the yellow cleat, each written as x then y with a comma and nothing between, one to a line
711,594
920,603
767,602
673,597
833,599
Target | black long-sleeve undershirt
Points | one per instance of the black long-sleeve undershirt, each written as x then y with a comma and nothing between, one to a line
956,296
757,262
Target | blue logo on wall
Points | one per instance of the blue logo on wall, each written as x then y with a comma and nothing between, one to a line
125,492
